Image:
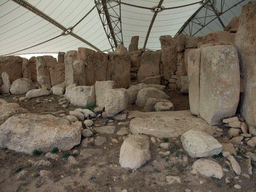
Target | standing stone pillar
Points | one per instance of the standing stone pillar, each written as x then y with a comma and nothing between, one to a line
69,58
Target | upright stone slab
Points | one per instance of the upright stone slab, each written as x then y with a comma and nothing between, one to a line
136,57
245,43
134,44
169,56
219,83
70,57
96,65
149,65
101,89
43,74
79,68
119,68
5,88
61,56
31,67
194,59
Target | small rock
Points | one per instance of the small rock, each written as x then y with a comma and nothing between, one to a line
124,123
225,153
233,132
72,160
21,174
71,118
187,190
114,140
208,168
104,114
249,166
87,133
43,163
77,114
246,175
228,147
153,139
164,106
100,140
165,145
229,120
225,170
88,123
122,131
244,127
236,167
85,142
185,159
105,130
52,156
164,153
246,135
251,156
173,179
236,186
44,173
21,99
237,140
252,142
227,180
98,109
234,124
252,130
120,117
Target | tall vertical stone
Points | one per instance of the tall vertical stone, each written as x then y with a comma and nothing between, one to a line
194,59
169,56
149,65
31,67
43,74
61,56
134,44
69,58
219,83
5,88
245,43
79,72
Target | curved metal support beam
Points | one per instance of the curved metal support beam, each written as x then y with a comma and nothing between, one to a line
152,21
217,15
52,21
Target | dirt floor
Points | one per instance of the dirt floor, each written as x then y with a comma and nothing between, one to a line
96,168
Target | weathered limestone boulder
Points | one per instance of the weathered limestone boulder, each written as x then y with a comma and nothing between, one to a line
208,168
28,132
37,93
149,65
119,68
81,95
5,88
219,38
134,151
166,124
43,74
149,92
96,65
194,58
134,44
233,25
200,144
116,101
21,86
151,102
101,89
12,65
61,56
57,72
69,58
9,109
79,68
152,80
136,57
105,129
192,41
164,106
246,46
219,83
169,56
58,89
132,92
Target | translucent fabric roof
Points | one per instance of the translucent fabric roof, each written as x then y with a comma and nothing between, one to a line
36,26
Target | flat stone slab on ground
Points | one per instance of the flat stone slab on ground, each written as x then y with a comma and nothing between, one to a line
166,123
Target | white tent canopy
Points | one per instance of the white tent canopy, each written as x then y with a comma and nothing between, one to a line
36,26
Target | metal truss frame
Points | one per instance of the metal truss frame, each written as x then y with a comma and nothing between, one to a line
111,21
201,22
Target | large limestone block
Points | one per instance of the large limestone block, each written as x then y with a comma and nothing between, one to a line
116,101
149,92
246,45
200,144
5,88
134,43
194,59
29,69
101,89
169,56
134,151
69,58
79,68
21,86
192,41
119,68
96,65
136,57
28,132
37,93
43,74
166,124
149,65
9,109
81,95
208,168
219,38
57,73
219,83
12,65
58,89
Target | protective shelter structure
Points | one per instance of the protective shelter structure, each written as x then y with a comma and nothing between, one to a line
44,26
